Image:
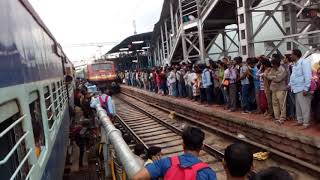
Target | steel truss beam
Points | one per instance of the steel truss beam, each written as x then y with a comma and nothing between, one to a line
292,30
225,49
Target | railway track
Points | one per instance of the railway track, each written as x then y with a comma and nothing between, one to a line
152,129
152,126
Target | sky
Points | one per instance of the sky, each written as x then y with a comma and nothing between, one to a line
94,21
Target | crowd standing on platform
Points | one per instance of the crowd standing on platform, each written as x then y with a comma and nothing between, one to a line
238,159
281,88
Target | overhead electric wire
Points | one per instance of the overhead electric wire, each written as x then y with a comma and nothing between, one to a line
91,44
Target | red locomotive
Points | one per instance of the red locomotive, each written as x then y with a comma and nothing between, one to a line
101,73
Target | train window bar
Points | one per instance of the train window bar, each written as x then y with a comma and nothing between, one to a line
62,102
64,92
49,106
21,164
11,126
59,115
54,93
59,94
50,118
48,109
17,144
4,160
30,172
48,97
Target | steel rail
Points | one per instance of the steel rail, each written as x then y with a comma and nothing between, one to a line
137,138
207,148
301,163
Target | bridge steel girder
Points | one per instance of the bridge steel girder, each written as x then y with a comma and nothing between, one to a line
294,28
245,28
293,32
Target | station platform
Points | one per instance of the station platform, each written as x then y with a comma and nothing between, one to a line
286,138
88,170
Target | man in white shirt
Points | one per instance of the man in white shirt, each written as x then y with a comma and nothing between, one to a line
300,83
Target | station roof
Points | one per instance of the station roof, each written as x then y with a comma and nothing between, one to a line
145,37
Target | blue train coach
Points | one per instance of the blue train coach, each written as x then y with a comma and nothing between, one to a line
35,96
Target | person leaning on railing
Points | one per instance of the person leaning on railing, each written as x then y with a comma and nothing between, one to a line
106,102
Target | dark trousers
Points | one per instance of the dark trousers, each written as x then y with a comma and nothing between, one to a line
209,94
291,107
245,97
203,95
189,91
218,96
233,96
81,156
181,89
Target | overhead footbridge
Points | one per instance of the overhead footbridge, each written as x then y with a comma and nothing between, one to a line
199,30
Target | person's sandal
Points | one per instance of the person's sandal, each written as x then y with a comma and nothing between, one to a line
280,121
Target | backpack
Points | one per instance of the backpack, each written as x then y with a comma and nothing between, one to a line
178,172
104,104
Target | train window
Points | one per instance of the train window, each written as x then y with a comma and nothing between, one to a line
65,91
97,67
55,100
36,120
60,94
49,106
9,115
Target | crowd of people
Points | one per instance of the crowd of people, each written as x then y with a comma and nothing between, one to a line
84,130
281,87
238,159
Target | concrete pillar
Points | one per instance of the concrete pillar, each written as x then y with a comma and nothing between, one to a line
245,28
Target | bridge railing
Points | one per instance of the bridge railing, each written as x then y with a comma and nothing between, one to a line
112,136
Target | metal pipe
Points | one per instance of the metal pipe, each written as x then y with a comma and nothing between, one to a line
114,137
105,152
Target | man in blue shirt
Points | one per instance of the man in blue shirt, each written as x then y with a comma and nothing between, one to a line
207,83
245,86
192,144
300,82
